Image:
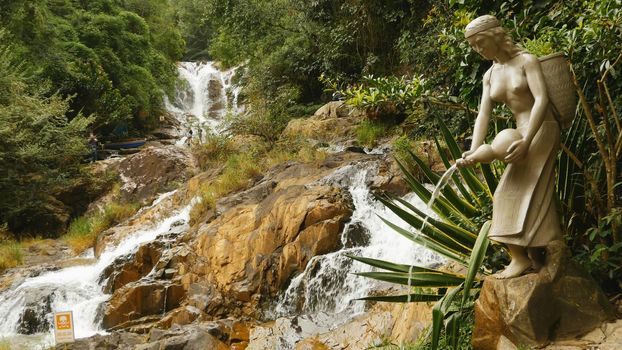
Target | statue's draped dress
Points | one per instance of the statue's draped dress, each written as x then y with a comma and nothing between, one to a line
524,210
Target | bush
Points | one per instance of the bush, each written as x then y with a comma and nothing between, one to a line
382,98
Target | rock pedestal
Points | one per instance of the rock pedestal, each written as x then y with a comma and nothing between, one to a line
560,301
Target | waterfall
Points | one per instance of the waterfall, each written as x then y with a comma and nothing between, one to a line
205,96
76,288
328,284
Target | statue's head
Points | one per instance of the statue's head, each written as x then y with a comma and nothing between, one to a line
480,24
487,37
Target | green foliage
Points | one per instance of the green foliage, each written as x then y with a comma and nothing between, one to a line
115,58
382,97
461,340
40,149
286,44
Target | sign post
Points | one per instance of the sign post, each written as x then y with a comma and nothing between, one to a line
63,327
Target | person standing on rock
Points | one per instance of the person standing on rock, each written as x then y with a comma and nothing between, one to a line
524,212
189,137
93,145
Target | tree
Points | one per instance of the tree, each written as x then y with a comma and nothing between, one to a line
40,150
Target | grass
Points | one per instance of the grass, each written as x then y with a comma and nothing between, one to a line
241,167
215,149
368,132
84,230
10,256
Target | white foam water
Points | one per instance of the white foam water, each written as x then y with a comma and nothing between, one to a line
328,283
78,288
206,96
435,193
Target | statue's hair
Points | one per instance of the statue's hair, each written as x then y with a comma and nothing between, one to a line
503,40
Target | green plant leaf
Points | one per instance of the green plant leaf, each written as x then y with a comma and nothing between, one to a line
389,266
439,311
429,237
414,298
477,257
451,196
417,279
451,329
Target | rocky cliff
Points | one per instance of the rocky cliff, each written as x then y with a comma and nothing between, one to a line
217,281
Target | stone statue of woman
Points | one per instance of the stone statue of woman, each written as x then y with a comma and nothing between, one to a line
524,211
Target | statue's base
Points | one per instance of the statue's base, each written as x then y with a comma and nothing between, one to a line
560,301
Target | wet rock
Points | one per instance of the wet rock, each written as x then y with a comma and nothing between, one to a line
139,299
397,322
153,171
561,301
284,332
36,317
191,337
113,341
356,235
355,149
131,268
166,133
256,248
146,219
34,320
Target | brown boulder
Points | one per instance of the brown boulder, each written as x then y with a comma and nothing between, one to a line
256,248
117,340
153,171
561,301
129,269
191,337
331,123
139,299
397,322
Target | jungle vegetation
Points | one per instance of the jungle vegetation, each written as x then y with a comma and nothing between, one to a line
71,66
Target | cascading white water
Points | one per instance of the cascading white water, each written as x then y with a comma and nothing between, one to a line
437,191
78,288
328,284
205,99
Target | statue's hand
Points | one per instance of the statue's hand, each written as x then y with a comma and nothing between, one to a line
467,153
517,150
465,161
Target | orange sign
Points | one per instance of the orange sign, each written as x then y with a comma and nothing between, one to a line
63,321
63,327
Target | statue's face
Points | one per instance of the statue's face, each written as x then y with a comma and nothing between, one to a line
484,45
